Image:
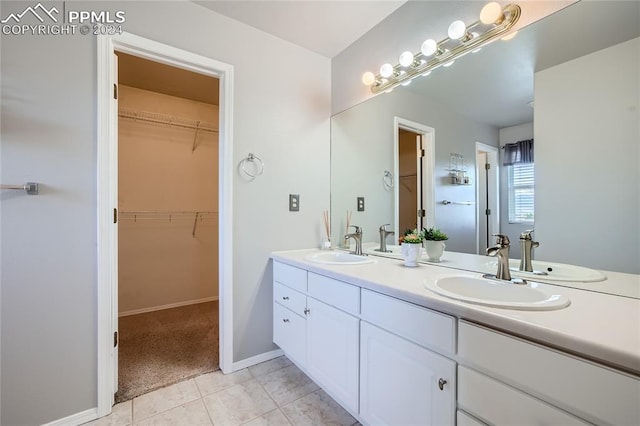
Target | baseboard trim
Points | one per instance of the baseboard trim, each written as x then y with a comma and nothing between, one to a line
169,306
76,419
248,362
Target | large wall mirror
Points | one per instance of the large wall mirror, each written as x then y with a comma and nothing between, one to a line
582,113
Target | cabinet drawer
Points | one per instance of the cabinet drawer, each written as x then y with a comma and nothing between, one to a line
290,333
497,403
289,298
335,293
593,392
413,322
290,276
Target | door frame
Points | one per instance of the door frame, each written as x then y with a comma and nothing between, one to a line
494,182
427,181
107,168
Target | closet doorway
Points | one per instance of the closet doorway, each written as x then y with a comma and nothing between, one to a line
414,166
168,156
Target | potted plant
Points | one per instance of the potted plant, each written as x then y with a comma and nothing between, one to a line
434,243
411,246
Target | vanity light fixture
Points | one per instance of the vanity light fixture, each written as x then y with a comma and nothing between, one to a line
494,23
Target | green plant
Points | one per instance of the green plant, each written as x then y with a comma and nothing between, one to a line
433,234
412,236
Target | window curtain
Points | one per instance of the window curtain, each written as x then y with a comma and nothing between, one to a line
518,153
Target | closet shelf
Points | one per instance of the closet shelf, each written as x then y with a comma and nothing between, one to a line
157,118
168,215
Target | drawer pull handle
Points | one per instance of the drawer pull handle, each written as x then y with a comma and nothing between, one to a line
285,297
306,311
285,320
441,383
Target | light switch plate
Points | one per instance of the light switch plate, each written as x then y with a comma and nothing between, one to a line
294,202
360,204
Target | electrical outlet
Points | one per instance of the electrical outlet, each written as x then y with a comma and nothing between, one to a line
360,204
294,202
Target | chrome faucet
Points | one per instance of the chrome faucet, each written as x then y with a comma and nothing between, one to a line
383,238
501,252
526,248
357,236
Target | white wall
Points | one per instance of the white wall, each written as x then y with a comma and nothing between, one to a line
588,160
48,308
513,230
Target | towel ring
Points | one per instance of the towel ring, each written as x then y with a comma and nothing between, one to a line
258,166
387,180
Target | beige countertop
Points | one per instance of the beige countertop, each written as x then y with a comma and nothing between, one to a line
597,326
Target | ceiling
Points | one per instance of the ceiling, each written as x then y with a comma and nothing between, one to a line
323,26
160,78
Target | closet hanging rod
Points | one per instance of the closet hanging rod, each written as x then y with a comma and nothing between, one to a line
166,212
157,118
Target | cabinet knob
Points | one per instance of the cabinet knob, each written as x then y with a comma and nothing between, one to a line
285,320
441,383
306,311
285,297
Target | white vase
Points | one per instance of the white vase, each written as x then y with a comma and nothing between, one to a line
411,252
434,250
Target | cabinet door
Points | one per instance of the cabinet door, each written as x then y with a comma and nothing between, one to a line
290,333
400,381
332,357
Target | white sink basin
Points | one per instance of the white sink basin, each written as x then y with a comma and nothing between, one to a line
338,258
498,294
551,271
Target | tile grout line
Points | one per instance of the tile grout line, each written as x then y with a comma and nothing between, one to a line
206,409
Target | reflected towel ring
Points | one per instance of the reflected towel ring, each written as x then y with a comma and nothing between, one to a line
258,166
387,180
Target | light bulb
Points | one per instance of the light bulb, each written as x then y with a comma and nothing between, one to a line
368,78
490,13
406,58
457,30
448,64
386,70
406,83
429,47
426,73
509,36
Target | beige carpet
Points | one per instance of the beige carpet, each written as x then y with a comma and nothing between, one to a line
160,348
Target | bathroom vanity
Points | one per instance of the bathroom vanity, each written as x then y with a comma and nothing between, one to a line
390,351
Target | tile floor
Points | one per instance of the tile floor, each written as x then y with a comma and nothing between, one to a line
275,393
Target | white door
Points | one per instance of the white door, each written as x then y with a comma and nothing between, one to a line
402,383
332,351
487,196
114,259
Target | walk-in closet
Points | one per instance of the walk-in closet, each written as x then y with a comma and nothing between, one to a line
167,225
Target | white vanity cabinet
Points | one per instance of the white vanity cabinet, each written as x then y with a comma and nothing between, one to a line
319,329
392,362
505,380
401,381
